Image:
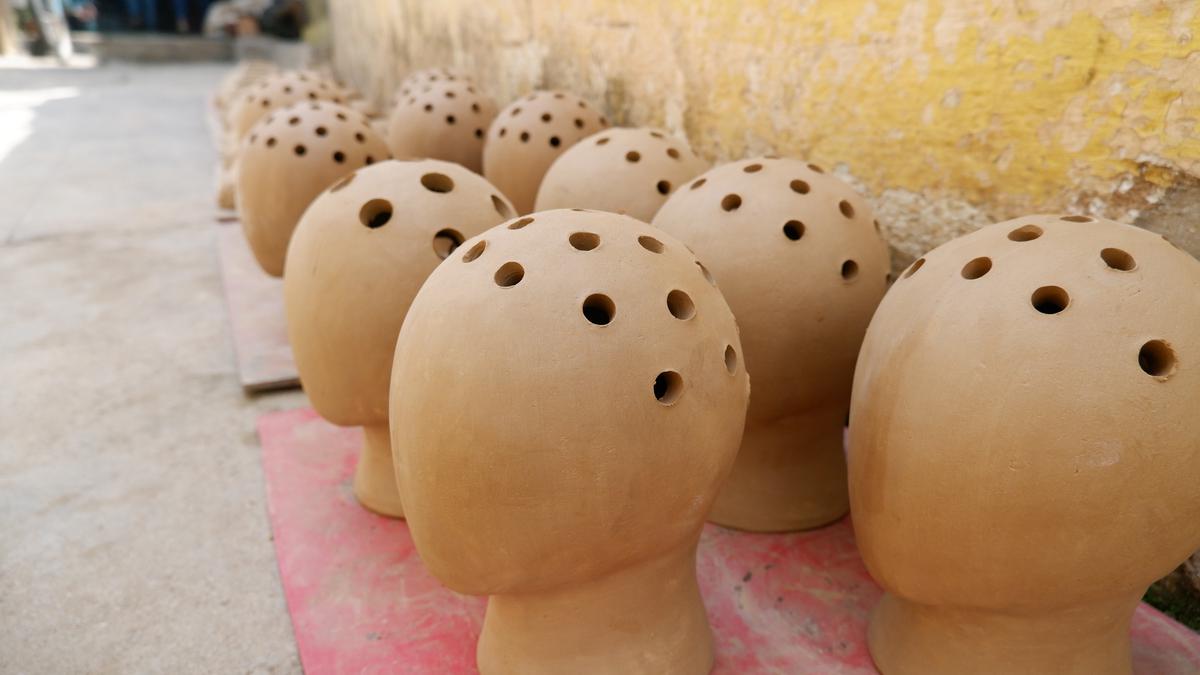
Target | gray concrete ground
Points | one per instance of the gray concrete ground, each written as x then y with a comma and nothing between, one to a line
133,527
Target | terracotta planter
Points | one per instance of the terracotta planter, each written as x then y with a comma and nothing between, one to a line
1025,446
567,396
628,171
279,90
528,135
799,257
287,160
358,257
444,120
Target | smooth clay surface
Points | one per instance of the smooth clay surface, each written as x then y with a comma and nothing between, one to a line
799,257
553,455
287,160
358,257
443,120
528,135
1025,448
279,90
628,171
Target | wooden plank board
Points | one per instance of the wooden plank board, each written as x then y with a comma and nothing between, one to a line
256,317
361,601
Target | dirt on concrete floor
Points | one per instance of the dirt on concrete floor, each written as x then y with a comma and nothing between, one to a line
133,526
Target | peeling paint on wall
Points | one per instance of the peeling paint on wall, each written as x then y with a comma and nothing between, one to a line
949,115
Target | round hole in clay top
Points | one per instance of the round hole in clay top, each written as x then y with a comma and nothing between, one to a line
698,183
707,275
668,387
977,268
1118,259
672,153
663,187
321,131
816,168
445,241
437,182
599,309
510,274
731,202
1025,233
375,213
339,156
912,269
474,252
601,141
1156,358
300,150
518,224
849,270
524,136
730,359
680,305
555,141
793,229
501,207
1050,299
1076,219
633,156
800,187
651,244
846,208
584,241
752,168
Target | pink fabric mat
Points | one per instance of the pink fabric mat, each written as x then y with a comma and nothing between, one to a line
361,601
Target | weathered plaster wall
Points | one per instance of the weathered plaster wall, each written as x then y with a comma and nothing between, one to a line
947,114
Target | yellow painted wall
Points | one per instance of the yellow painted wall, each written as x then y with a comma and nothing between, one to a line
947,114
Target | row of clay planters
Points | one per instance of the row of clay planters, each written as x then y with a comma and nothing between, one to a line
1025,446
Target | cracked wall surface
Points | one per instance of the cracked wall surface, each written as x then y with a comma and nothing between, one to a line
947,115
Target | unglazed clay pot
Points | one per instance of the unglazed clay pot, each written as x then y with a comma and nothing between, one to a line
276,91
629,171
1025,446
444,120
287,160
800,259
555,457
357,259
528,135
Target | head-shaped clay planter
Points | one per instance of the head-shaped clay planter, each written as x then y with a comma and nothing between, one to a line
1025,446
567,396
799,257
287,160
358,257
280,90
444,120
629,171
528,135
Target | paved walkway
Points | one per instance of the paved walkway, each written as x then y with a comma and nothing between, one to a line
133,531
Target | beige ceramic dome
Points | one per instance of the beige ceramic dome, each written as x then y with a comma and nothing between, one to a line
567,396
1025,446
359,255
279,90
287,160
529,135
444,120
799,258
629,171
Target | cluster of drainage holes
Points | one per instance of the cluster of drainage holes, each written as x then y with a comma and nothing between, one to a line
1156,357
